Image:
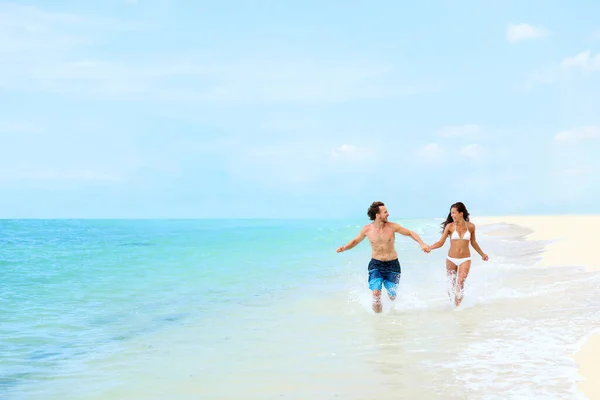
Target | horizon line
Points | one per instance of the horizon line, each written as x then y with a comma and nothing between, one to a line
495,215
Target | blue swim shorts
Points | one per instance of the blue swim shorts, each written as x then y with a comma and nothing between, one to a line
384,274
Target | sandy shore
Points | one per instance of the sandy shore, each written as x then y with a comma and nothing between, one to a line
574,243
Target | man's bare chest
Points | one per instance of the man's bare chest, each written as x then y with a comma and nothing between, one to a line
381,236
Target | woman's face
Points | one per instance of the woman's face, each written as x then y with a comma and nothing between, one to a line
455,214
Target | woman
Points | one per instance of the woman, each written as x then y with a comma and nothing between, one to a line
458,261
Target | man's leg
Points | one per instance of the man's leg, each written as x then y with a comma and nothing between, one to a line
375,284
390,281
377,306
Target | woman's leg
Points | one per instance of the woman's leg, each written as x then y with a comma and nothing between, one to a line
463,272
451,277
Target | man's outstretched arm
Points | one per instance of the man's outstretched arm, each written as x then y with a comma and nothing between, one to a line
403,231
359,238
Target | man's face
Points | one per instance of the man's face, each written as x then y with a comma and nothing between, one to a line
383,214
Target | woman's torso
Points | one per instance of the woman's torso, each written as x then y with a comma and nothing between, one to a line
460,237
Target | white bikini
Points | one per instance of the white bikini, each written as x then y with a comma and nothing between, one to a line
456,236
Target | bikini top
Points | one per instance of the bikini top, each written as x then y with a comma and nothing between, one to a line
455,235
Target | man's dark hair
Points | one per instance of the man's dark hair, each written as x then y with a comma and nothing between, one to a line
374,209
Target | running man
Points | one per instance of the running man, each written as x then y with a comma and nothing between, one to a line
384,267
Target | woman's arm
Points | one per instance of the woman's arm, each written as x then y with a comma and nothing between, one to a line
476,245
442,240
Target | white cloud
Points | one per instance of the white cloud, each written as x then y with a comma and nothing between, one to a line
578,134
543,77
350,153
474,151
431,152
278,164
282,164
241,81
17,127
522,31
43,51
460,131
37,48
585,61
297,80
66,175
576,172
68,150
572,183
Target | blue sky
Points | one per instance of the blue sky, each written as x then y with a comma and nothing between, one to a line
158,108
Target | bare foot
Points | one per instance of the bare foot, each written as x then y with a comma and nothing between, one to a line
377,307
457,301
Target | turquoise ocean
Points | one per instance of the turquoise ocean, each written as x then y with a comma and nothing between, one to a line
266,309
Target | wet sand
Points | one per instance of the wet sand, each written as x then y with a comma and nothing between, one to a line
573,242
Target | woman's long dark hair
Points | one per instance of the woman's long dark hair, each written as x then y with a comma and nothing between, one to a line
460,207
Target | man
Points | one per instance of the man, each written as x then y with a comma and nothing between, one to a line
384,268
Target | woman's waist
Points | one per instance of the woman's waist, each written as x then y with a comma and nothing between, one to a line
459,252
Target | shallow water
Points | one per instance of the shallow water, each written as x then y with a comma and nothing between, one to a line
261,310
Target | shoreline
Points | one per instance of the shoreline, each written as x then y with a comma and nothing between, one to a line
571,244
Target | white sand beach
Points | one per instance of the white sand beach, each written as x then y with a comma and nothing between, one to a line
573,243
